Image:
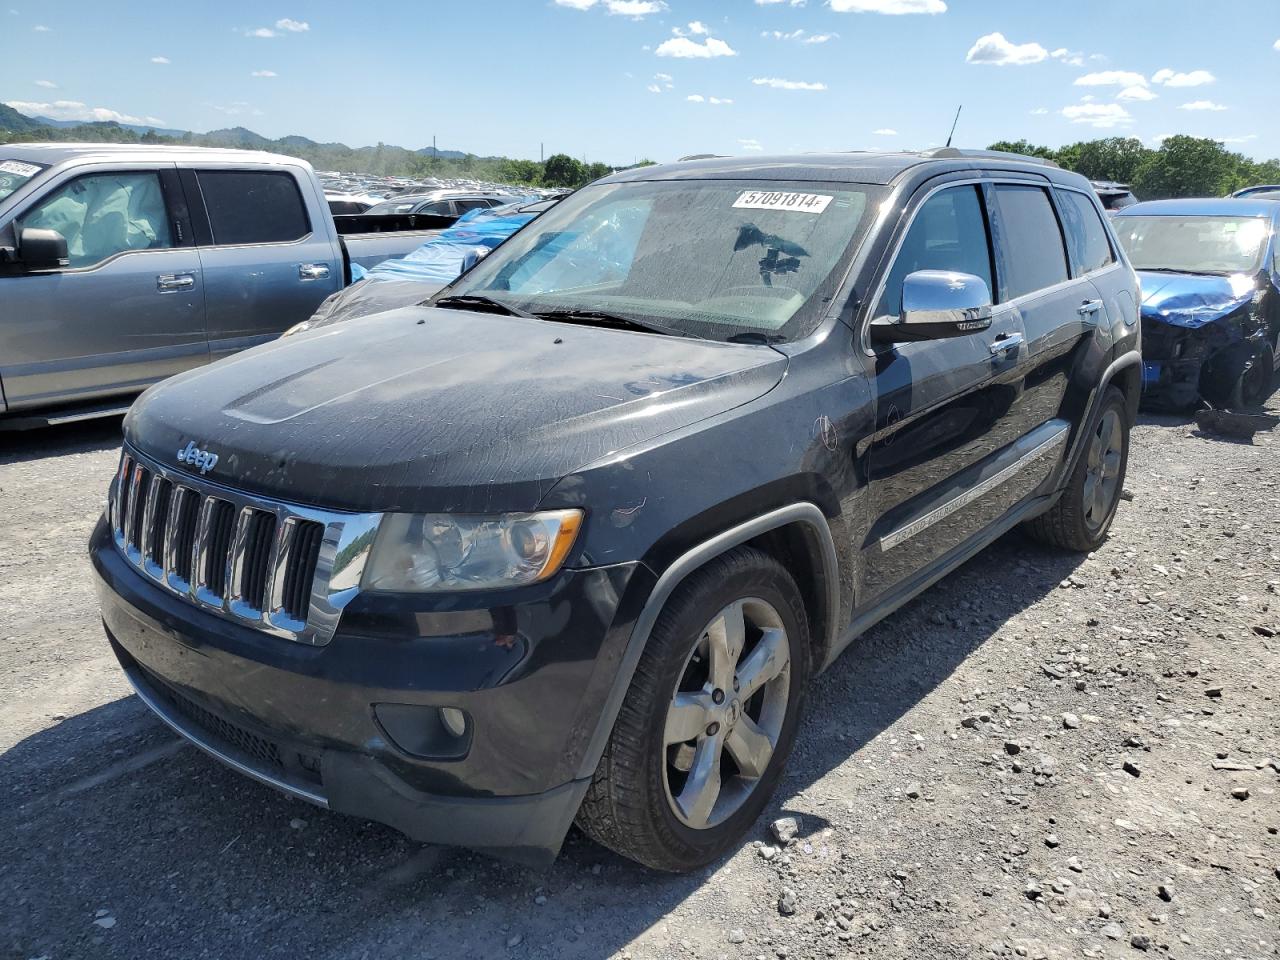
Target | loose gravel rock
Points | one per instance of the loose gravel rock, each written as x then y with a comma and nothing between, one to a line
1150,643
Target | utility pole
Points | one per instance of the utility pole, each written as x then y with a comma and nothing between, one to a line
434,154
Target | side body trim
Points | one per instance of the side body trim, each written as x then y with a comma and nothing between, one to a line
806,513
907,531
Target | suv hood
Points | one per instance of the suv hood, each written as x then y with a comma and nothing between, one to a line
426,409
1191,299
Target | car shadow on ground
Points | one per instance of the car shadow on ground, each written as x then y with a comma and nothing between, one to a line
185,854
85,436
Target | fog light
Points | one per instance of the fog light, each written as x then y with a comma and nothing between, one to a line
454,720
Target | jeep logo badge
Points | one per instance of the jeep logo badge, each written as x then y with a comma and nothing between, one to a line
193,456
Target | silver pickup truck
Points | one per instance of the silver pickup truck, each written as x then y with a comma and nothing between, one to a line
121,265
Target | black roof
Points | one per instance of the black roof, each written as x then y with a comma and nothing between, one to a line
854,167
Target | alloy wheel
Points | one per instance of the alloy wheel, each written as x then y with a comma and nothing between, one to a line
1102,476
726,713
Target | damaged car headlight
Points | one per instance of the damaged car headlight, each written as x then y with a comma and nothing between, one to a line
442,553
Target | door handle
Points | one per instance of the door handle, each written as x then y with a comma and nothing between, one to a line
170,282
1089,307
313,271
1005,342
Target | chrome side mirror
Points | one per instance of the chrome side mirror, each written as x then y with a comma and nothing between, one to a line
937,304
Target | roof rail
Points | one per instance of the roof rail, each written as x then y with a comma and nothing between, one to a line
702,156
955,153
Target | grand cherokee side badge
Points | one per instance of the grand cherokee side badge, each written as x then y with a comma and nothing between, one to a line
193,456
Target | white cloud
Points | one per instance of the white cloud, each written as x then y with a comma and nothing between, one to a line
262,33
41,28
820,38
995,49
636,9
576,4
1039,111
893,7
779,35
695,97
1202,105
292,26
1274,46
885,132
1101,115
160,60
264,73
797,3
778,84
75,110
715,101
1194,78
47,84
684,48
1071,58
1245,139
698,28
1136,93
750,143
654,88
1112,78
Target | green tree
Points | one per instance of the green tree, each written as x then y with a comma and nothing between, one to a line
1024,148
562,170
1187,167
1114,158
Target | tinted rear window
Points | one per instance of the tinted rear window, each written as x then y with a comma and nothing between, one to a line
253,207
1086,236
1031,241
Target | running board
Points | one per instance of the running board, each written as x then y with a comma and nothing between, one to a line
55,418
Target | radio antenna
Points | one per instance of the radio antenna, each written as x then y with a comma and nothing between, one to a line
953,124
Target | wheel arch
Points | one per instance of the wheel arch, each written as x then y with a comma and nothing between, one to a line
1125,371
797,535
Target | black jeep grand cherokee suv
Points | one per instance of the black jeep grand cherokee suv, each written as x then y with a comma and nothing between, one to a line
569,541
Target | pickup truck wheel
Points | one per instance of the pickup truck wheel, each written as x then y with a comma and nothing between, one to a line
1080,519
710,718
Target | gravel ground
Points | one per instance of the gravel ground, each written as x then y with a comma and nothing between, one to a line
1044,756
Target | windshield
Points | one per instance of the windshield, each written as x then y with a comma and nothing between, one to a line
1218,245
15,173
715,259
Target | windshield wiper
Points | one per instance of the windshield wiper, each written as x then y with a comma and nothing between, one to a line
469,301
603,318
756,336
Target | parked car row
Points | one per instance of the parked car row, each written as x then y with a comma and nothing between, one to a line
568,541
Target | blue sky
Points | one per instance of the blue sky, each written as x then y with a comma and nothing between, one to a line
619,79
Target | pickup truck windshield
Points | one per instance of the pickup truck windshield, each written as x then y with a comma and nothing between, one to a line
14,173
1214,245
715,259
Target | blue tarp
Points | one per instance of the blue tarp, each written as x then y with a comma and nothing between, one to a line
440,259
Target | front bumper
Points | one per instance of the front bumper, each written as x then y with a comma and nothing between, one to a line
531,672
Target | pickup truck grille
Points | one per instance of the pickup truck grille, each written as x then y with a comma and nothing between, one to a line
281,568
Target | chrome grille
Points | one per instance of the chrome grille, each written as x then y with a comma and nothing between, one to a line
285,569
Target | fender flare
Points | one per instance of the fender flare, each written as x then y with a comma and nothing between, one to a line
671,578
1127,359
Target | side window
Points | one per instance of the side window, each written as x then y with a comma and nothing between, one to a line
466,205
253,206
1086,236
949,232
439,208
102,214
1030,240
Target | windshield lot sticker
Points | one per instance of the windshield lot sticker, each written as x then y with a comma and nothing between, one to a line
770,200
18,167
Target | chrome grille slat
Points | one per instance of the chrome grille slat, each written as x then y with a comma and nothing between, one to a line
281,568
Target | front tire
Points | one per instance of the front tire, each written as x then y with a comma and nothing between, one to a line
710,718
1079,521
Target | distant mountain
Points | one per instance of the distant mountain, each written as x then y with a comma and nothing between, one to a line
135,127
11,119
442,154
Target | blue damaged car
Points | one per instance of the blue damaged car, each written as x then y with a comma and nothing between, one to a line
1210,274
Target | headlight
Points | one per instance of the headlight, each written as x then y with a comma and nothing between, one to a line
442,553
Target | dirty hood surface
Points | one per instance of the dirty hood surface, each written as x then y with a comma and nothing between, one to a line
1191,300
426,409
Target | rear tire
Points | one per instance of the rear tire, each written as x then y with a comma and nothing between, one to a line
649,799
1241,379
1079,521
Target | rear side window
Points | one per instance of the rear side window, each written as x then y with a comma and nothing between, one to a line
1030,240
465,206
949,232
1086,236
253,207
